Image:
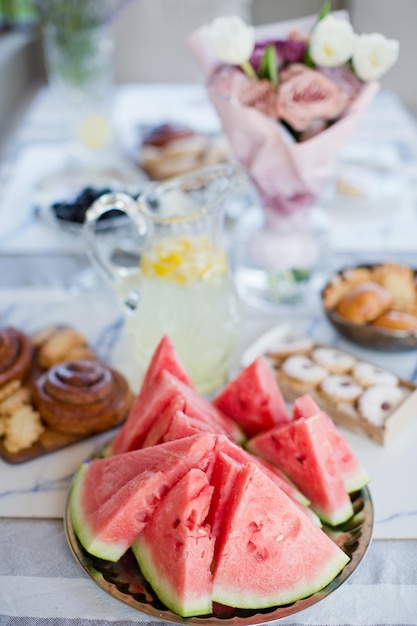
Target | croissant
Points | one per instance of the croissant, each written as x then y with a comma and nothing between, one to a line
82,397
15,355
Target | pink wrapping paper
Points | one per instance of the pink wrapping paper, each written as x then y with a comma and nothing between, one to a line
289,175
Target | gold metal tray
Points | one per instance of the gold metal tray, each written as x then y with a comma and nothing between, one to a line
123,580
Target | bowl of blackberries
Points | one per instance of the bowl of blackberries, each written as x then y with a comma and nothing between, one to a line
69,213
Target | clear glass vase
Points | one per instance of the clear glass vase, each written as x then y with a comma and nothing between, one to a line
79,65
280,259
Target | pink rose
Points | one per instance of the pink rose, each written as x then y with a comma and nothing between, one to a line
306,95
258,94
234,84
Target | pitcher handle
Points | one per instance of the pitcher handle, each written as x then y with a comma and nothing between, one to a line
105,203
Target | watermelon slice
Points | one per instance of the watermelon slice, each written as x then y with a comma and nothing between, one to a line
269,552
113,498
223,476
242,456
174,423
165,358
353,473
253,399
150,403
229,456
303,451
175,550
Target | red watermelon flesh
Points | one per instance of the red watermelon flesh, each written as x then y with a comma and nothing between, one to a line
113,498
303,451
353,473
148,404
253,399
183,425
199,407
223,476
165,358
242,457
270,553
179,419
175,550
162,422
153,400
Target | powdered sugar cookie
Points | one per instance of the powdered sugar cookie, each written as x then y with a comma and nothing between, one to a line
290,345
335,361
378,402
367,374
301,372
340,388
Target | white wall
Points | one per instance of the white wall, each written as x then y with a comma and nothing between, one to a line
150,37
396,19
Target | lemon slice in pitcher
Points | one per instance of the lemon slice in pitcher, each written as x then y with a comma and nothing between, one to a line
183,260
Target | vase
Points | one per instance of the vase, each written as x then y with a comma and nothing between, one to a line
79,66
281,258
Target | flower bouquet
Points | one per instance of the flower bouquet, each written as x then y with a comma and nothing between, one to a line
289,96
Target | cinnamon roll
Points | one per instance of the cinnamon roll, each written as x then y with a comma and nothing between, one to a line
15,355
82,397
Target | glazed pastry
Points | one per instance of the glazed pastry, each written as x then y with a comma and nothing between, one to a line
173,149
338,388
378,402
398,280
364,303
342,283
302,373
82,397
15,355
335,361
396,320
367,374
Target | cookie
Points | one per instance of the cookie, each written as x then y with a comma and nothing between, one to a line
290,345
58,347
367,374
335,361
338,388
15,401
301,373
377,403
22,429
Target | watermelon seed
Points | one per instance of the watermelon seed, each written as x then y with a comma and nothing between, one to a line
279,538
301,459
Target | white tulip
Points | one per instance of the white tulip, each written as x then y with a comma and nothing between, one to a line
231,39
374,54
332,42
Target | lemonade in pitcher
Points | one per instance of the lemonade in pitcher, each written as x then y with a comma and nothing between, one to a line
182,285
187,292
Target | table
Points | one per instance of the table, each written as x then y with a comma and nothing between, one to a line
40,581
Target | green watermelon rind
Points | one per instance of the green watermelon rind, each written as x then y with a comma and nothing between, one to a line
356,480
162,586
338,516
109,551
234,598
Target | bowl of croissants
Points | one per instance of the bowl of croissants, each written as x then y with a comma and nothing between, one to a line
374,306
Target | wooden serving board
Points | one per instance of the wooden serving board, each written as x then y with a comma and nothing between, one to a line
49,441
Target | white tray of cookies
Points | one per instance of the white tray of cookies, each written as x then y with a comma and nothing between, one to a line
359,395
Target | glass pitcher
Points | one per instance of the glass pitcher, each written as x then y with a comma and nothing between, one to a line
181,284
